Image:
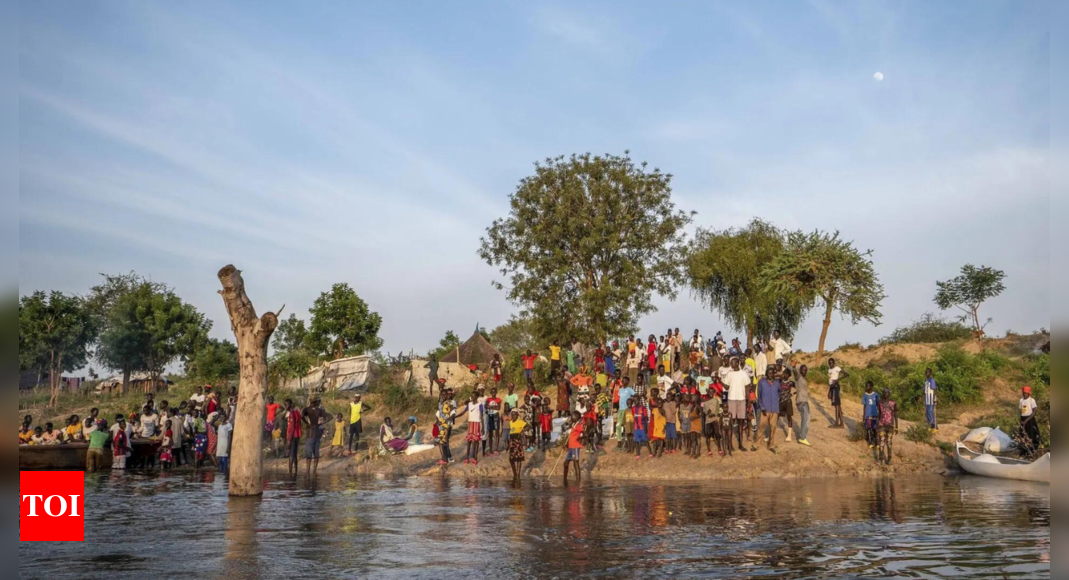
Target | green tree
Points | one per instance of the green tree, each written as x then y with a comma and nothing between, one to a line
55,334
821,269
587,242
148,328
216,362
724,270
342,324
449,343
516,336
968,291
291,335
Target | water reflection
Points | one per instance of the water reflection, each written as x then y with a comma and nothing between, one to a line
441,527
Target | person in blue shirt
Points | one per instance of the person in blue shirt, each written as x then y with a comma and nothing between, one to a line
930,400
871,402
627,392
768,389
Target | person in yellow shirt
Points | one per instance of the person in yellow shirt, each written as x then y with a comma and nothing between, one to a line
337,445
659,423
356,412
74,429
518,429
752,363
554,359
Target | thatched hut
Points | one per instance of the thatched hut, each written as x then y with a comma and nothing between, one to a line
477,350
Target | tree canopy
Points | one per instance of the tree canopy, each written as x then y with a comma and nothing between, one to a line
342,324
516,336
587,242
969,290
724,270
821,268
55,334
215,362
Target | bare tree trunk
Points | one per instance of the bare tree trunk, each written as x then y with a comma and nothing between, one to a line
125,382
824,331
253,335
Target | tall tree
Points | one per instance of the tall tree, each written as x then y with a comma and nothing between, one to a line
291,335
149,327
449,343
55,334
292,358
822,269
587,242
342,324
216,361
724,270
968,291
516,336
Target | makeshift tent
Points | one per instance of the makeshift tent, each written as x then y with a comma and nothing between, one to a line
139,383
344,374
477,350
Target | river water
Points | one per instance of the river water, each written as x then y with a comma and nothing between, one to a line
183,525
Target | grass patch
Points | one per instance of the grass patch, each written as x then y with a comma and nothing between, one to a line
946,447
930,328
919,434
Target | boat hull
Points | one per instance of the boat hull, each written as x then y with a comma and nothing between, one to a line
72,456
1037,471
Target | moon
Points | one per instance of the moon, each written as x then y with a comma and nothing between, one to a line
878,76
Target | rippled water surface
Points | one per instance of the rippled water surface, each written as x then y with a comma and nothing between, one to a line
168,526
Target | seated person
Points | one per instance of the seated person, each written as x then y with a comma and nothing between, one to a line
391,442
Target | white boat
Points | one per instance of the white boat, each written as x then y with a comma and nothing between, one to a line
1003,467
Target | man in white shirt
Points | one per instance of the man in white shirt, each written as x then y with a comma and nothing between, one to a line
198,398
835,391
222,448
760,361
780,349
1029,424
738,381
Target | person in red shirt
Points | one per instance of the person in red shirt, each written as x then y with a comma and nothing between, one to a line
599,357
575,448
641,427
293,435
493,424
272,414
651,357
528,365
545,424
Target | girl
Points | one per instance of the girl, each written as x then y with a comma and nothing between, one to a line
475,432
166,456
888,425
517,429
447,411
337,444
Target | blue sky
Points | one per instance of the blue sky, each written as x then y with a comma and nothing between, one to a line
373,143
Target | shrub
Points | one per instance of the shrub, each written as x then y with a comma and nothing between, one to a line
930,328
946,447
851,346
919,434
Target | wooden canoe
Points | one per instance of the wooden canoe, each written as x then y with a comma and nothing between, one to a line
1003,467
72,456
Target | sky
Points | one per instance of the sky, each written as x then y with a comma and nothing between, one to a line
374,143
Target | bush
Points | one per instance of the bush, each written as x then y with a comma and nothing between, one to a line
930,328
919,434
959,375
851,346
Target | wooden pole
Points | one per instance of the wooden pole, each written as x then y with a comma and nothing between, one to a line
253,335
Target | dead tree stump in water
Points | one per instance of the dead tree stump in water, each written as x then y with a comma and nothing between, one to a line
253,335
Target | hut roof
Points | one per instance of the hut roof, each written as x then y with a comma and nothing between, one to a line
477,350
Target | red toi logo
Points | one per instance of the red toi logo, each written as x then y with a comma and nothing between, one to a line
52,506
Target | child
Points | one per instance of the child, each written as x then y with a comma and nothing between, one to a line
493,424
888,426
120,445
629,426
670,410
224,433
658,425
495,370
517,427
38,437
166,446
545,420
641,418
575,447
475,423
529,415
871,403
711,410
836,374
337,444
74,429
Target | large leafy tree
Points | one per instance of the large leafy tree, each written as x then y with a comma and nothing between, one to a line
291,335
724,270
968,291
516,336
342,324
449,343
55,333
587,242
293,357
149,327
216,361
822,269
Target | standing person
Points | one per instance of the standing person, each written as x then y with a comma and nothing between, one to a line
738,383
512,399
315,417
613,359
658,428
930,400
98,441
835,391
768,393
432,373
1029,425
641,416
554,360
760,361
356,422
634,360
786,402
871,415
293,435
651,357
475,434
493,423
222,448
271,422
711,411
670,410
686,408
888,426
337,441
446,415
602,411
575,448
517,433
496,370
564,397
570,356
626,393
545,425
165,446
801,389
780,349
178,427
529,365
120,444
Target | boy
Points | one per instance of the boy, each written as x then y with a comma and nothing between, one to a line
641,420
98,440
930,400
554,360
670,410
222,449
629,427
356,425
120,445
888,425
871,403
545,424
529,365
495,370
625,393
711,409
835,392
493,424
575,448
293,435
